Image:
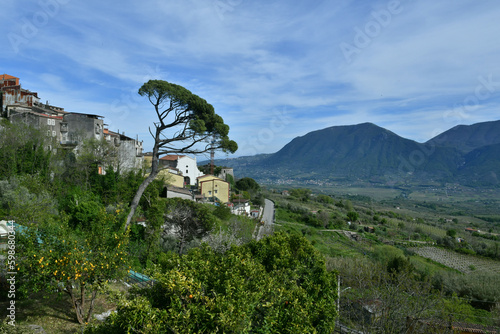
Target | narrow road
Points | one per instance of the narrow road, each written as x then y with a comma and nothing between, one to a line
268,219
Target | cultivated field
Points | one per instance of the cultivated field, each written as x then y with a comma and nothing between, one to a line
461,262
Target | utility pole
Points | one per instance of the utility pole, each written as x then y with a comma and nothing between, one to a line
338,295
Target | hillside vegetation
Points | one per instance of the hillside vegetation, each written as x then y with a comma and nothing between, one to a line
334,259
377,245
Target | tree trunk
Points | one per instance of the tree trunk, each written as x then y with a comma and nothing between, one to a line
91,308
154,172
76,305
79,304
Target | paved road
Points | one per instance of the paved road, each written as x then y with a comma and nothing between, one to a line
268,219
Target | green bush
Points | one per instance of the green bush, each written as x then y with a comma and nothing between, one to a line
277,285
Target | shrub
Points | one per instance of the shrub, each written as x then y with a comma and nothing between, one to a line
277,285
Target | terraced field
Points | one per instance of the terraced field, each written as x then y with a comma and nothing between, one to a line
461,262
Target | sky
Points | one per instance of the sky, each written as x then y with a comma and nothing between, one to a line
274,69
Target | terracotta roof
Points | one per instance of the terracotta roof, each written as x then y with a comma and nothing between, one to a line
6,76
51,116
171,157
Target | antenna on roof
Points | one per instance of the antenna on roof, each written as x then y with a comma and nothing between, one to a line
212,156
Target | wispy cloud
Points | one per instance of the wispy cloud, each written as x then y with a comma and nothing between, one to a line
257,61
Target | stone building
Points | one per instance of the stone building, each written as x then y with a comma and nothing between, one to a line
130,155
13,94
69,129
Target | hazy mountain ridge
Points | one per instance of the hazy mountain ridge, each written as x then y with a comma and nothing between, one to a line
369,153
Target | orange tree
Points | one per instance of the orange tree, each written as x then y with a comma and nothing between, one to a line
77,262
277,285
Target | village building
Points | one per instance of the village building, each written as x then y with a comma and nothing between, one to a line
187,165
69,129
213,189
130,156
240,206
13,94
172,177
224,172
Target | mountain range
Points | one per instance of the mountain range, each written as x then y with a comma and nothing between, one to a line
367,153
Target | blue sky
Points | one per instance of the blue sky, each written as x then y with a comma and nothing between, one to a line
273,69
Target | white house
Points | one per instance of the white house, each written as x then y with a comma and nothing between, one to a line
240,206
185,164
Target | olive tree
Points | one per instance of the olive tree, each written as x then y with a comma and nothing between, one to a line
187,220
186,124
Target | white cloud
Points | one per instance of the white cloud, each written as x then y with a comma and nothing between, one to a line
254,59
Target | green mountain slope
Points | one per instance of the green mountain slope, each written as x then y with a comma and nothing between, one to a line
469,137
368,153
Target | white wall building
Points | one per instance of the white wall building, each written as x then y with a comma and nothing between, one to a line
185,164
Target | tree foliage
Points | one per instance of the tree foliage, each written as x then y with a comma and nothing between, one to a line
187,220
186,123
379,301
23,199
353,216
55,259
23,151
277,285
247,184
302,194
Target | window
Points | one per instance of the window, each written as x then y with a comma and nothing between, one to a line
53,133
187,171
215,192
48,121
210,192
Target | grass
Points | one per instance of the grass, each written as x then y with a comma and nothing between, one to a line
54,313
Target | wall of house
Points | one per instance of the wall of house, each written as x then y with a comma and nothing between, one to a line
226,171
171,178
13,94
189,169
130,155
82,126
50,124
215,187
175,194
241,209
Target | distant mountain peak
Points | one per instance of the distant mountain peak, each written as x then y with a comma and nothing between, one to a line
368,153
469,137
